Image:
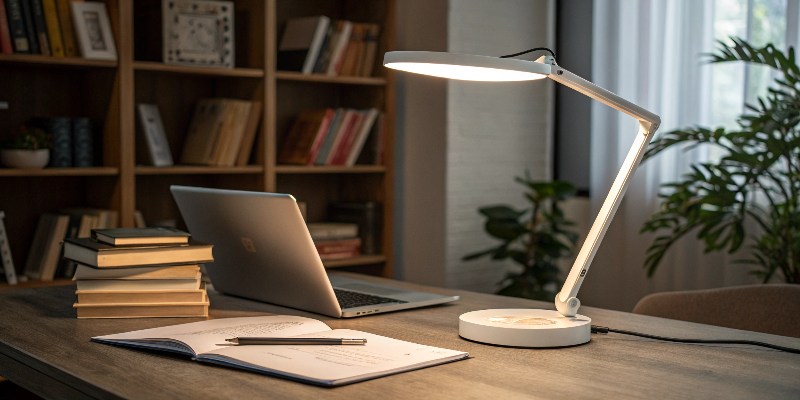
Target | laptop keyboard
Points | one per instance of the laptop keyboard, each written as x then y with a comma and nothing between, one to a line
348,299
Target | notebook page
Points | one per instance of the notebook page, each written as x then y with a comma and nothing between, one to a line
209,335
332,365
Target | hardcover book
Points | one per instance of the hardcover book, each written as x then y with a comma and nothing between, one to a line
16,25
53,28
134,236
30,28
301,43
101,255
82,147
40,25
5,252
5,33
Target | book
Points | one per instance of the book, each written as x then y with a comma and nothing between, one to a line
349,120
361,137
101,255
80,226
142,310
60,130
45,249
251,130
337,246
139,284
322,135
53,28
30,28
339,255
106,219
343,31
325,51
138,219
204,131
141,296
16,26
330,231
301,43
367,62
297,145
67,31
345,143
152,272
367,215
5,252
324,149
129,236
230,151
40,26
353,53
33,264
82,148
320,365
5,33
154,135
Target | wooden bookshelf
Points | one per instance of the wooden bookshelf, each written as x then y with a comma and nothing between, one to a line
107,92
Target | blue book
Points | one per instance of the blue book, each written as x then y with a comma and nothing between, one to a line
60,130
326,147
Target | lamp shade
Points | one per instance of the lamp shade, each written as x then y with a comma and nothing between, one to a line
465,67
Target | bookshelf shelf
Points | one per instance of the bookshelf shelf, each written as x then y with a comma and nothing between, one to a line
90,171
351,80
198,169
180,69
50,61
358,169
349,262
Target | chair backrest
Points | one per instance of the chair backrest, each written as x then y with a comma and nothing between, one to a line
771,309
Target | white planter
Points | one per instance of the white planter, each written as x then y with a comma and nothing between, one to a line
27,159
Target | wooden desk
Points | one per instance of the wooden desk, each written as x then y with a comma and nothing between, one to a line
44,348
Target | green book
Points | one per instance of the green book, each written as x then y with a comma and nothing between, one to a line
132,236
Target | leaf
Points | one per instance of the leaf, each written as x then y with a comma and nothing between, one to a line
505,229
501,212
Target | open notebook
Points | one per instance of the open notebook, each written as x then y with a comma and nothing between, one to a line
319,364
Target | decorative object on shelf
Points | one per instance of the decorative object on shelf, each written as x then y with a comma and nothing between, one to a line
534,238
198,33
82,148
60,130
531,327
756,179
155,137
5,254
94,35
26,148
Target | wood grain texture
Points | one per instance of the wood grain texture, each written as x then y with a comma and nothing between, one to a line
181,69
88,171
39,332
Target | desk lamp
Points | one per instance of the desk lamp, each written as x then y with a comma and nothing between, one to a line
531,327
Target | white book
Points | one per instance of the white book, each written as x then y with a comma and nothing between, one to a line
321,365
155,136
5,254
143,284
364,131
339,48
83,272
341,131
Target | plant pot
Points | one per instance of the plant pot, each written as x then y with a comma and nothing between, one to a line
27,159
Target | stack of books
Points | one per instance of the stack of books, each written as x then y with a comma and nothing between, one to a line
341,137
139,272
320,46
335,241
222,132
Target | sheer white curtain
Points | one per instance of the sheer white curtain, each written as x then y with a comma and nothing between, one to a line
650,52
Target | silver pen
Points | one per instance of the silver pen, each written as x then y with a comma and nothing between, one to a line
294,341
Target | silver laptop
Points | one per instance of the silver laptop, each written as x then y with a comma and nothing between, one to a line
263,251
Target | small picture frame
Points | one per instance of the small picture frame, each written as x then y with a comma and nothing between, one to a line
93,31
198,33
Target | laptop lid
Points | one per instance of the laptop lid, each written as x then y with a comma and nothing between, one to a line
262,248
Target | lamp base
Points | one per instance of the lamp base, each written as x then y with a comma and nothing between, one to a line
524,328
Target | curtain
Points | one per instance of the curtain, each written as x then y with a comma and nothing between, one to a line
651,53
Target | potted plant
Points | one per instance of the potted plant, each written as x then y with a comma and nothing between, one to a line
757,179
534,238
28,147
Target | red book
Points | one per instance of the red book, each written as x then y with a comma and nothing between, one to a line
340,157
322,134
350,117
5,33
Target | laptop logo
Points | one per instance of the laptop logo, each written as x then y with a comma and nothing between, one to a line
248,245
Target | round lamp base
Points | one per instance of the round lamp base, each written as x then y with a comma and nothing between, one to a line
524,328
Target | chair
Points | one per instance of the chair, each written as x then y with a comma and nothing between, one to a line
771,309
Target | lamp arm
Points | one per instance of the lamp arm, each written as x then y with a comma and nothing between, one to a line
566,301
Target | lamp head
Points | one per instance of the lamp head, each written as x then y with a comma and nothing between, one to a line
466,67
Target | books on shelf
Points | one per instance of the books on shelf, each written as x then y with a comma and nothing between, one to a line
335,241
153,136
37,27
331,137
72,141
6,262
367,215
45,251
332,230
321,365
144,285
318,45
219,132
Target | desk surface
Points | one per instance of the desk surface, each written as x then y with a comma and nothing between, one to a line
45,348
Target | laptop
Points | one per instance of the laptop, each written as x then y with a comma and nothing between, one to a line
263,251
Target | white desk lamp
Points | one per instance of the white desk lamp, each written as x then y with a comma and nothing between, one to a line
530,327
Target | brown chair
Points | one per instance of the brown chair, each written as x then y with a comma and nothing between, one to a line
771,309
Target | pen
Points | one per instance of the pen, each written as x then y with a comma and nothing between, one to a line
273,341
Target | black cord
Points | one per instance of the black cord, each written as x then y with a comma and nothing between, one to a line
528,51
603,330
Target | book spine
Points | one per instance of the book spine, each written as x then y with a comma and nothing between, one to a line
53,28
67,33
342,138
322,133
337,54
41,26
5,254
30,28
61,153
16,24
325,51
5,33
250,134
82,142
339,256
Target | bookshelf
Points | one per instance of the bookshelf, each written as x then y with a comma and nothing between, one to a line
108,91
